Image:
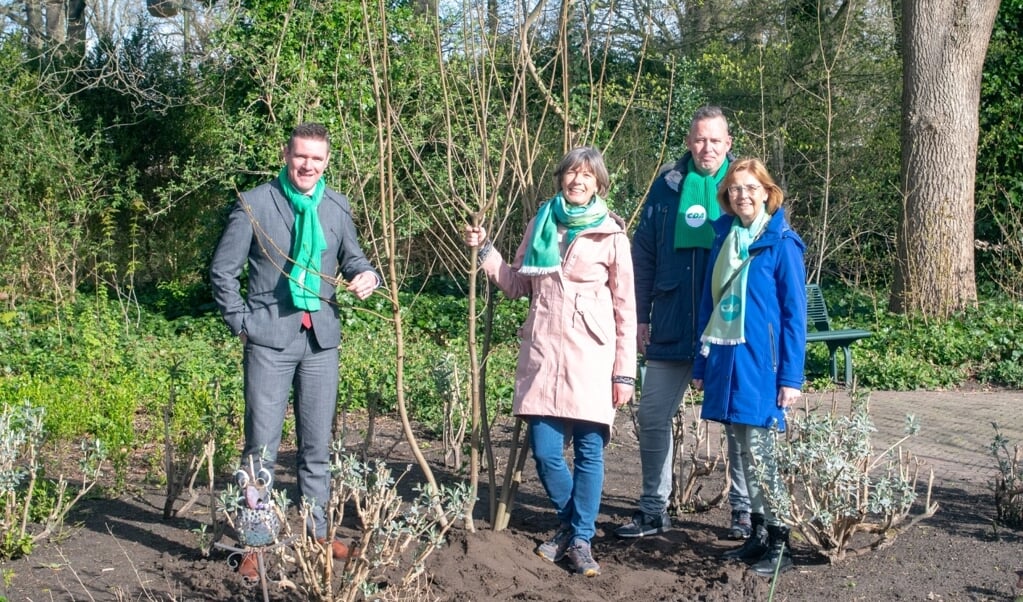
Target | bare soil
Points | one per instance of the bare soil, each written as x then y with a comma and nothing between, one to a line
122,549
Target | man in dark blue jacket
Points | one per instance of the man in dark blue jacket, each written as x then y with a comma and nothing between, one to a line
669,253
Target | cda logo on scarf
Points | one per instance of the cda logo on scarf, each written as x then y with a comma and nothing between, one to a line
696,215
730,307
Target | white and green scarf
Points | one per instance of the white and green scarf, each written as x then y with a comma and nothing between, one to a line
543,255
727,325
308,244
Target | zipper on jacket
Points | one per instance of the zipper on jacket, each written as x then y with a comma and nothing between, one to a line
694,306
774,356
664,224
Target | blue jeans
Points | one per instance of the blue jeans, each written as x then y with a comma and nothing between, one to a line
575,494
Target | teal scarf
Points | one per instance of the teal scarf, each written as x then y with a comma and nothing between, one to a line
308,245
697,208
543,255
727,325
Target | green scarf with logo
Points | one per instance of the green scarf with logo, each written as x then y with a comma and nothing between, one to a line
543,255
698,207
308,244
727,325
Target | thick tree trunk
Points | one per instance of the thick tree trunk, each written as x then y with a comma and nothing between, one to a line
56,21
34,24
943,43
76,22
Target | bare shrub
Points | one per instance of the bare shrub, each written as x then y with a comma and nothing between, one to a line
1008,483
696,458
32,507
396,539
837,485
451,386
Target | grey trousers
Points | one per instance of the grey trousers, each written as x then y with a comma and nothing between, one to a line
758,448
738,493
270,376
664,384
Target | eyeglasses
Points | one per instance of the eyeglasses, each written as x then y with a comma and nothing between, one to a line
736,191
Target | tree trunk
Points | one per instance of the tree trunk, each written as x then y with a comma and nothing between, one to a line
34,24
76,22
944,43
426,8
56,21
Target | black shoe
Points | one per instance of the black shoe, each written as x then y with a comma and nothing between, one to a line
754,547
644,524
778,558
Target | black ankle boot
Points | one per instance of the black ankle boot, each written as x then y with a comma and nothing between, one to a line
777,558
754,547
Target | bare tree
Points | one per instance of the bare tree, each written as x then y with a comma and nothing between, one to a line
944,43
53,21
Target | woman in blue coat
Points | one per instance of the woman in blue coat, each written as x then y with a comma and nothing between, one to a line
753,319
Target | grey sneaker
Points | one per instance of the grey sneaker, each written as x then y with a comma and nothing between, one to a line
553,550
581,559
741,525
645,524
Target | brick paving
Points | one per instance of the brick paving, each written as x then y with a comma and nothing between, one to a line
954,437
955,433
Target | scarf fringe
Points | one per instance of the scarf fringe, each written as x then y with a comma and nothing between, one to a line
720,341
532,270
708,340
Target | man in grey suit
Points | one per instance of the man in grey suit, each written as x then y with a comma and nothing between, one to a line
296,236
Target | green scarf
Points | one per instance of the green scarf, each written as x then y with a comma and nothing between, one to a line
727,325
308,244
698,207
543,255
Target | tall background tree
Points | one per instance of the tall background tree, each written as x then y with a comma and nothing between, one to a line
944,43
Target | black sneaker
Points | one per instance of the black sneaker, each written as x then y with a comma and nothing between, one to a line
645,524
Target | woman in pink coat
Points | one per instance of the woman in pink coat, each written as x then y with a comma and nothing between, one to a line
577,362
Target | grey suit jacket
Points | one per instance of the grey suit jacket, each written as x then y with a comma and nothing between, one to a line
259,234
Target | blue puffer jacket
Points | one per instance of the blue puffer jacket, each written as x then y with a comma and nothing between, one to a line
741,382
668,282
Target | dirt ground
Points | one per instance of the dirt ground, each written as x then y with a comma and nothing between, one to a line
122,549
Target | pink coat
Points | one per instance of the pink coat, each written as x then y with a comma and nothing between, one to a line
581,327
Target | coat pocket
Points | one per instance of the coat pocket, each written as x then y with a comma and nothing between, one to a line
584,307
594,327
668,321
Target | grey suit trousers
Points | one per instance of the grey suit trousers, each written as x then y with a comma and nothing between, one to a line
270,375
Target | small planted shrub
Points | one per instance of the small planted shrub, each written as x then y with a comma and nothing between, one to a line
389,555
699,452
451,387
32,506
397,534
836,485
1008,483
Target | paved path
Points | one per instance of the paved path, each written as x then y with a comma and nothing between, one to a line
955,427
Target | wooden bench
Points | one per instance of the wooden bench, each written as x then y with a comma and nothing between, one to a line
819,331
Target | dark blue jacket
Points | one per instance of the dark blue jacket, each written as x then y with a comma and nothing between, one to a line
741,382
669,283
